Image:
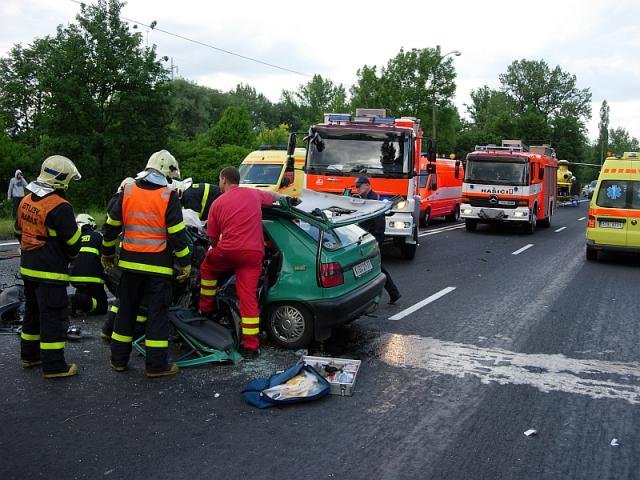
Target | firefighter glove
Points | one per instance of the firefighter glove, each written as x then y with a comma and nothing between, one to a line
184,273
108,261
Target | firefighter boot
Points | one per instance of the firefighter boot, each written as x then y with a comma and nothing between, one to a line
171,369
73,369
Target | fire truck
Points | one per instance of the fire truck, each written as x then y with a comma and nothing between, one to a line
511,183
385,149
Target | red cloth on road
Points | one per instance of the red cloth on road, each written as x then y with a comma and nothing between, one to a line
235,219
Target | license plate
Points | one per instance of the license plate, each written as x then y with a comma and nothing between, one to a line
610,224
362,268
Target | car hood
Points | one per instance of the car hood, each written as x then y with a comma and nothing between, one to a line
327,211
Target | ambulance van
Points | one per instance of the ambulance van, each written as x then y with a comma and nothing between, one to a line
440,189
266,169
613,223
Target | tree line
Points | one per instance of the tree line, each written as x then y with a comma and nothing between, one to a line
95,93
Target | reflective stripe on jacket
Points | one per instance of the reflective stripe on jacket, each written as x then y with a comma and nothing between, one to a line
144,219
31,218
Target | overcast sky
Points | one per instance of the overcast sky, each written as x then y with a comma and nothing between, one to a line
598,41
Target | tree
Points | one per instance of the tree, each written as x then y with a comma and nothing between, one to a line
551,93
603,129
274,136
262,112
234,128
312,100
97,96
411,84
195,108
620,140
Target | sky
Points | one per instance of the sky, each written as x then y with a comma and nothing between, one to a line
597,41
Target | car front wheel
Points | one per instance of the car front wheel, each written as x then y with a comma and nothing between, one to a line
289,325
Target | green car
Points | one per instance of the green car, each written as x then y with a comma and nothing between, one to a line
324,270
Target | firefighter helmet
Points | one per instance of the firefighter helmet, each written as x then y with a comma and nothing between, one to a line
57,171
86,219
165,163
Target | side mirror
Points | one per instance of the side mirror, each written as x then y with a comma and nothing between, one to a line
346,192
290,164
456,172
431,150
433,183
291,144
540,173
431,167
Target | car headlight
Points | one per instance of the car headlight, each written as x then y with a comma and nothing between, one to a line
467,211
520,214
401,205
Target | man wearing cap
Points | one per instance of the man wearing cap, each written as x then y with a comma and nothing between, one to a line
375,227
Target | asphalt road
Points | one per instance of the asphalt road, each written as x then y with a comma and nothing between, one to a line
488,341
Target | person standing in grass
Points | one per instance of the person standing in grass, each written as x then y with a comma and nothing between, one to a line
15,193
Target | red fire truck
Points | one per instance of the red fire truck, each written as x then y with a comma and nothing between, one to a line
385,149
510,183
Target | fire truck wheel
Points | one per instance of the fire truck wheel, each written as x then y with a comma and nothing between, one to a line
470,225
545,222
455,215
533,221
425,217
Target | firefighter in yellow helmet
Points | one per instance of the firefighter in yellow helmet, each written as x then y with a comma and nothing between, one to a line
49,239
149,214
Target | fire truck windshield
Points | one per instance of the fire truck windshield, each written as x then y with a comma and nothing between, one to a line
352,153
495,172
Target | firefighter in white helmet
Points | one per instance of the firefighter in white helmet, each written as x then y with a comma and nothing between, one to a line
149,214
49,239
87,274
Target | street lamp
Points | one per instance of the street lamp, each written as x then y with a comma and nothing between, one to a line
456,53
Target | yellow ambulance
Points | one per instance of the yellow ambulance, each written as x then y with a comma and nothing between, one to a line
266,169
614,212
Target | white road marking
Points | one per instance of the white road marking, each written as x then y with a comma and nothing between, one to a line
422,303
520,250
598,379
440,230
581,218
560,229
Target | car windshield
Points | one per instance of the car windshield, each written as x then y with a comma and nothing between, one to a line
261,173
495,172
352,153
619,194
334,239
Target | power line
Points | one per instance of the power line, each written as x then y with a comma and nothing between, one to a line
213,47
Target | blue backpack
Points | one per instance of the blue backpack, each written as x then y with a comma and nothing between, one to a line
254,394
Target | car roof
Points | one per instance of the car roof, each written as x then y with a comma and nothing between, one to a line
328,211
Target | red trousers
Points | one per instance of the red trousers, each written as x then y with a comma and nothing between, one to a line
247,266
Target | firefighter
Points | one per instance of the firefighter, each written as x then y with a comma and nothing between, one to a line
49,239
199,197
87,274
376,227
150,216
234,228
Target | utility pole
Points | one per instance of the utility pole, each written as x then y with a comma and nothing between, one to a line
457,53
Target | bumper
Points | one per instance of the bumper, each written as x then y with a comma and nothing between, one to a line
488,215
346,308
612,248
399,224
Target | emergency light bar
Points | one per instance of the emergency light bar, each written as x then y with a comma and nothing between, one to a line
486,148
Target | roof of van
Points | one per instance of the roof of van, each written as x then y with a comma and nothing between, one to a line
621,168
273,155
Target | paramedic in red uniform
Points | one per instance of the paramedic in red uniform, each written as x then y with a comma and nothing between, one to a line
234,229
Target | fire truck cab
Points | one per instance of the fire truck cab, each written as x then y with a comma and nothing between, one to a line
385,149
440,188
511,183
